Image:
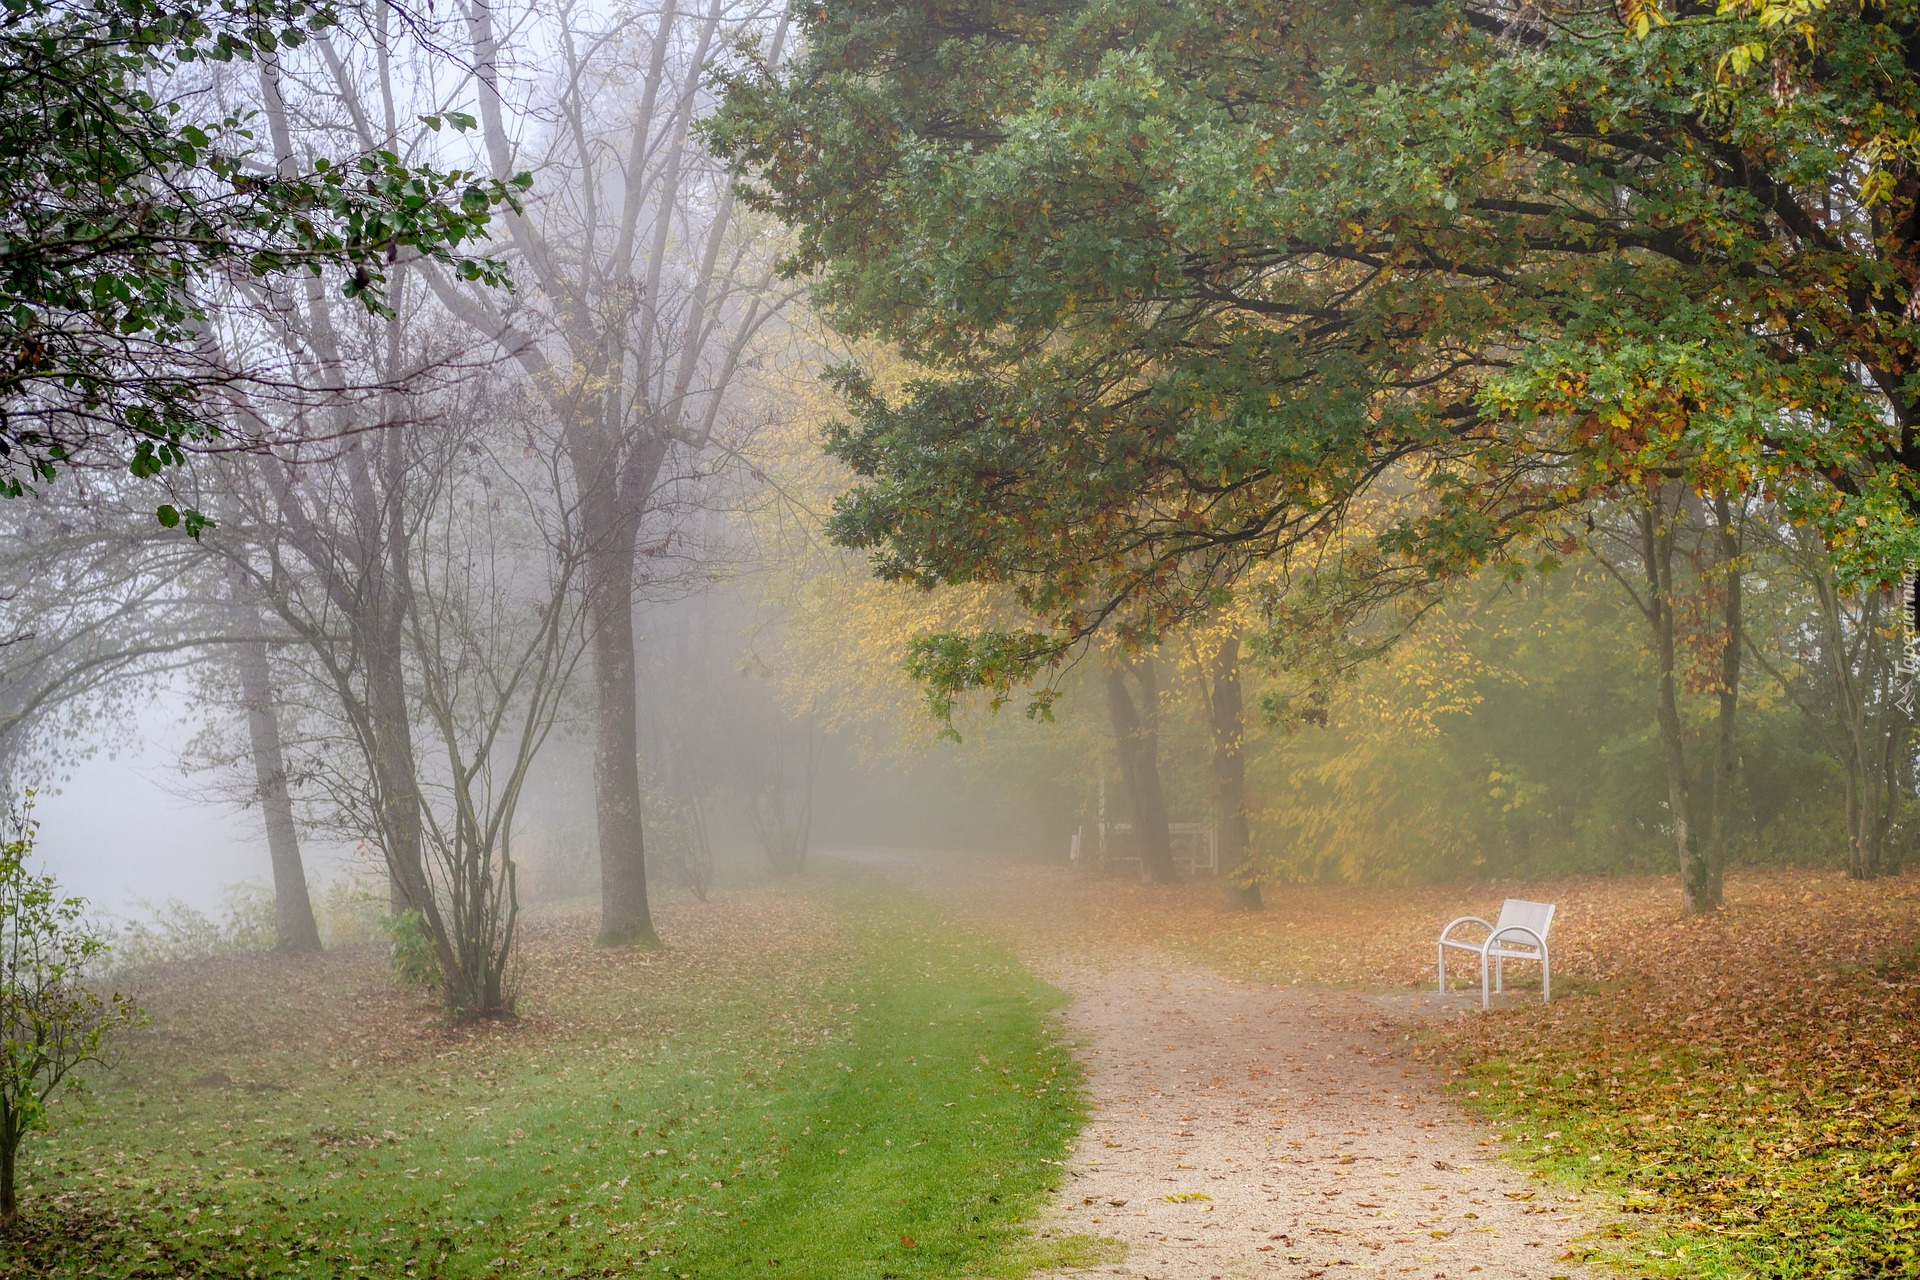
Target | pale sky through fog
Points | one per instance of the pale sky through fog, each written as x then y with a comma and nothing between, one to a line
121,829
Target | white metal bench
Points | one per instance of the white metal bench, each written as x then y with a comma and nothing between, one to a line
1520,934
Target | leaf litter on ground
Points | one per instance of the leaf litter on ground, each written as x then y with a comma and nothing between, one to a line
1741,1083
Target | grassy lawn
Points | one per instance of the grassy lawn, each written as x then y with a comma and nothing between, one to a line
825,1080
1742,1085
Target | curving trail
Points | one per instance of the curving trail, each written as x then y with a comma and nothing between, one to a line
1244,1130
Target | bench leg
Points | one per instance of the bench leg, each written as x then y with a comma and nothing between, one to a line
1546,978
1442,949
1486,1001
1499,973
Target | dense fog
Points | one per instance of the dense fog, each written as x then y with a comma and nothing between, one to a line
864,640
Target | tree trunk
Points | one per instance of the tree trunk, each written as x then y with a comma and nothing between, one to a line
1858,714
643,322
1698,884
1725,778
1894,739
1891,745
1126,728
1866,836
1871,742
625,918
293,924
1226,710
371,585
9,1151
1137,742
397,781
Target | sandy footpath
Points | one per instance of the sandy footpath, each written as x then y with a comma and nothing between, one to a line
1317,1152
1245,1130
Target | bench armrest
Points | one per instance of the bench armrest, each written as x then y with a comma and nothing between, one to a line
1537,940
1464,920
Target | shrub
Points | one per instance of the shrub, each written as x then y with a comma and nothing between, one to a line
175,931
415,962
52,1020
676,836
352,907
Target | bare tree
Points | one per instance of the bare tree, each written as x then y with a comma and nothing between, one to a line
430,580
779,779
494,633
96,607
646,294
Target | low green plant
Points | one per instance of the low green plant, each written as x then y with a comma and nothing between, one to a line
676,836
415,962
173,931
1054,1253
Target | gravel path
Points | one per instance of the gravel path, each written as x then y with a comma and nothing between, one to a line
1245,1130
1241,1130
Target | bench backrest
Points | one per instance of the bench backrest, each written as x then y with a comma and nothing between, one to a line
1537,916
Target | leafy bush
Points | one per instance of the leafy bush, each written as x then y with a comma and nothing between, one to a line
415,962
175,931
1510,737
352,908
52,1020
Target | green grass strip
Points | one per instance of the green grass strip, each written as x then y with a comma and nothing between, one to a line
917,1116
931,1137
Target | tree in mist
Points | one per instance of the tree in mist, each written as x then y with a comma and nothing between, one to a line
1834,653
99,611
724,725
419,542
779,781
409,530
691,711
1136,748
678,833
494,629
96,609
1220,689
821,644
294,928
1650,542
134,216
52,1020
645,294
432,588
1358,779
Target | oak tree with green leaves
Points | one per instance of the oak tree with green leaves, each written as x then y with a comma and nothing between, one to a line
1196,284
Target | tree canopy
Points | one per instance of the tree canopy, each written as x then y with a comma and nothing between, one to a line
1191,282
